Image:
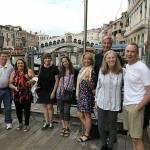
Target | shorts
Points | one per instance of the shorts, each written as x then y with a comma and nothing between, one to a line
133,120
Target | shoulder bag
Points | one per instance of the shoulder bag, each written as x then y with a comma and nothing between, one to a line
67,95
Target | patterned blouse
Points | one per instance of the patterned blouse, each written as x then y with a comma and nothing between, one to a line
65,82
108,91
24,93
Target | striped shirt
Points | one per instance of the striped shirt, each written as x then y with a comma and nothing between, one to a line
5,72
108,91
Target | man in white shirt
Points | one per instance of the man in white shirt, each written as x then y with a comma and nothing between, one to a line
136,95
5,71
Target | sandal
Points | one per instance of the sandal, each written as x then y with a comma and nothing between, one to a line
83,138
66,132
19,127
62,131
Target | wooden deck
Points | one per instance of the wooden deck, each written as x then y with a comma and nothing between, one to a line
37,139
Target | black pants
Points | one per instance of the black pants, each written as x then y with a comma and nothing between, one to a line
20,106
111,119
147,115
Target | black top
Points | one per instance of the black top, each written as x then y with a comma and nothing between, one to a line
46,79
98,64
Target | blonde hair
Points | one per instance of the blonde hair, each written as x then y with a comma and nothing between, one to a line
117,67
91,57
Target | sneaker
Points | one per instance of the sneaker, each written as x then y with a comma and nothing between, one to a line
45,126
26,129
20,127
51,126
8,126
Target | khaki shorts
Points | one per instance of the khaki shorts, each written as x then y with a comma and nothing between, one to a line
133,120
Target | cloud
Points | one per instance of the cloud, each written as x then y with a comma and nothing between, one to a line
57,16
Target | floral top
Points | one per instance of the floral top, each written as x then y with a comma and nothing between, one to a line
65,82
24,93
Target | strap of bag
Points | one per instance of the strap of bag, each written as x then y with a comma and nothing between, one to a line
67,84
39,70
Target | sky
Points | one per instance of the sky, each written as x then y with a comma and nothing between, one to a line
57,17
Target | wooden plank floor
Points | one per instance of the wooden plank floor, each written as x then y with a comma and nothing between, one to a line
37,139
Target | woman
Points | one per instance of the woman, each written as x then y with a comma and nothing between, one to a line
84,95
48,82
66,82
108,98
21,85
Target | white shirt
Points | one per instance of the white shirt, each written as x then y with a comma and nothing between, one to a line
108,91
34,94
137,77
5,72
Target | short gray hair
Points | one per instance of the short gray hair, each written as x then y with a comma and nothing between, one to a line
107,37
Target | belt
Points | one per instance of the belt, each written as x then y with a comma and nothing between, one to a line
4,88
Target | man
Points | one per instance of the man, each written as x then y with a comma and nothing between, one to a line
106,45
136,95
5,71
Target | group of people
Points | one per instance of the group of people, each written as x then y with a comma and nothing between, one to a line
127,87
104,82
15,84
124,87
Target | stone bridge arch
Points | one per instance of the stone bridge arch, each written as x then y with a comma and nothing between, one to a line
59,46
57,53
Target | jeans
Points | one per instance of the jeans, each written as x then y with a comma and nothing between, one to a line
107,119
5,97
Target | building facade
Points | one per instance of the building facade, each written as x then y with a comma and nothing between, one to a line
106,29
14,37
138,20
119,28
7,35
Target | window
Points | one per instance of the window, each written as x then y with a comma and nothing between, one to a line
138,39
142,39
141,9
50,43
42,45
46,44
135,39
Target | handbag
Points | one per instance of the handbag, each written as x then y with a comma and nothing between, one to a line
67,95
